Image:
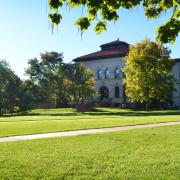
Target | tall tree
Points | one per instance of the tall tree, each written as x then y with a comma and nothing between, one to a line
48,73
79,83
9,88
103,11
3,84
32,95
148,72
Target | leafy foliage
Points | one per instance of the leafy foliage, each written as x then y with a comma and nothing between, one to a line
100,27
83,23
9,88
79,83
32,95
59,82
107,10
169,31
51,83
55,18
48,74
148,72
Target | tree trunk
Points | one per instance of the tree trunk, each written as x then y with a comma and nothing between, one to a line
77,102
11,109
124,97
147,106
0,111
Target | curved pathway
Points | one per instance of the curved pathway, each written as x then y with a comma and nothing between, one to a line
81,132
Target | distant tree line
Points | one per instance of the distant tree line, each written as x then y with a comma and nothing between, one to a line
51,83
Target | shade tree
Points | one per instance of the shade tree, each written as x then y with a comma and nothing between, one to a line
148,74
79,83
10,87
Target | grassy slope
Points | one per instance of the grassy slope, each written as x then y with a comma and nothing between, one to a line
41,121
136,154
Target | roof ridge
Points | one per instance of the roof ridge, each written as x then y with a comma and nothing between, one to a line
114,42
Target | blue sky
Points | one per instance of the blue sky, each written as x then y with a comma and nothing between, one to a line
25,32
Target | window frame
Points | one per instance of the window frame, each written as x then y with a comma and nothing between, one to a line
99,74
117,92
117,75
107,76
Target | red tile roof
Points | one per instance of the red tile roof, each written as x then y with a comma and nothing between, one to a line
108,50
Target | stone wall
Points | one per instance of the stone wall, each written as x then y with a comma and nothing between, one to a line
176,95
111,64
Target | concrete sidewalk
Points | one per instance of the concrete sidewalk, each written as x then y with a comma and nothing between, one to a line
81,132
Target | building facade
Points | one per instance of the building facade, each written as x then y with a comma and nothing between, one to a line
176,73
107,67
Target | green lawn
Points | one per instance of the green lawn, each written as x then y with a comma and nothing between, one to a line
51,120
135,154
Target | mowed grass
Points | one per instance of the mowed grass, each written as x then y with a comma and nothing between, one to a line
52,120
135,154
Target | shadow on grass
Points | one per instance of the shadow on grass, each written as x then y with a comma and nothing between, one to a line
102,112
39,114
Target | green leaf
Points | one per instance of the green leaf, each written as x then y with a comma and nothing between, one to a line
100,27
83,23
55,18
177,13
151,12
92,13
55,4
168,32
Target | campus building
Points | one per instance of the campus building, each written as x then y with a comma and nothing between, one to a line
107,67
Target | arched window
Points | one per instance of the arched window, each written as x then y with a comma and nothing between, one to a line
116,92
99,74
104,92
117,73
107,74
